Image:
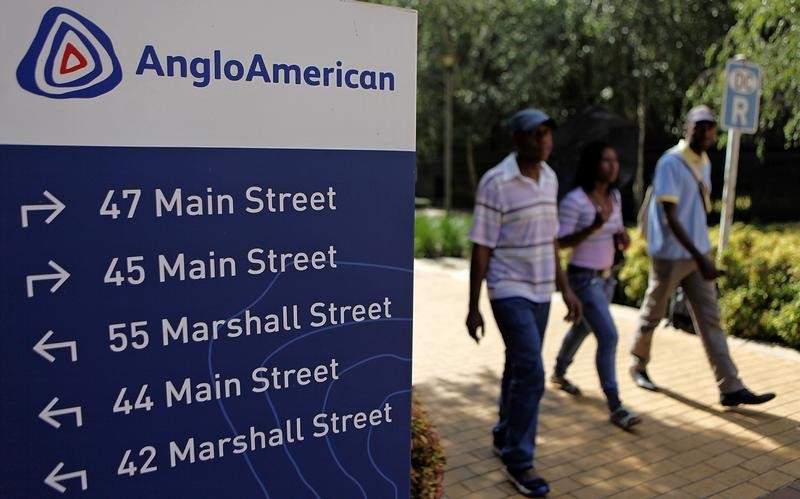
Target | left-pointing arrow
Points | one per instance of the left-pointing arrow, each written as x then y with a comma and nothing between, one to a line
48,412
42,348
56,206
61,275
54,479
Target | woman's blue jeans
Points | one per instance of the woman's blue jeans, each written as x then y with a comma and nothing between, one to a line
522,323
595,293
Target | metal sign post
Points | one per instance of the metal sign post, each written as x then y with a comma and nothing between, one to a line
729,189
739,115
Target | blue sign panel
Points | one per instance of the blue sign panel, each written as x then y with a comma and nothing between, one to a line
205,322
207,249
741,97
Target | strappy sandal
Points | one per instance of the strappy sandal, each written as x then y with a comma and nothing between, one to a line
564,384
624,418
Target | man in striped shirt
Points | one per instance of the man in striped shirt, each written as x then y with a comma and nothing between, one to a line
514,232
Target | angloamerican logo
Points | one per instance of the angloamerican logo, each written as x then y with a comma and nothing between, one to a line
70,57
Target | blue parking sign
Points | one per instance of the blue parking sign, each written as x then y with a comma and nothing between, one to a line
741,96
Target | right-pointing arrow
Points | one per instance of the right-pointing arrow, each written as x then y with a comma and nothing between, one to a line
47,414
56,207
54,479
62,275
42,347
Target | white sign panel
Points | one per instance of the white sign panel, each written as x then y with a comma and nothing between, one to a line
742,96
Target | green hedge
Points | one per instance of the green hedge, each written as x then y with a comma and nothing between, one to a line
633,275
427,455
437,236
760,293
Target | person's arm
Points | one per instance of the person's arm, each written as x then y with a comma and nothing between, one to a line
569,213
622,241
477,272
577,237
704,264
574,307
485,232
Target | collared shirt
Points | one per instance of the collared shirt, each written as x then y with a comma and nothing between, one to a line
575,213
517,217
676,183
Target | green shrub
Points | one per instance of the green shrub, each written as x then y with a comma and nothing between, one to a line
427,455
454,232
425,238
633,275
760,293
438,235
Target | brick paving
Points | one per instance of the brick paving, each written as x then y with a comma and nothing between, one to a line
687,446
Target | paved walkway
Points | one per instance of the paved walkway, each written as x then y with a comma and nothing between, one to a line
687,446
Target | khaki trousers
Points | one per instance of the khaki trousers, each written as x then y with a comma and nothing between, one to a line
664,277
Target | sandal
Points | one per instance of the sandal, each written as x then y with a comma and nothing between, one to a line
624,418
564,384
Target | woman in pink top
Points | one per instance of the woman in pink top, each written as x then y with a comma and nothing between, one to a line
590,219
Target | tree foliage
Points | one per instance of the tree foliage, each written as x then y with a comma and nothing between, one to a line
566,55
767,33
650,52
504,56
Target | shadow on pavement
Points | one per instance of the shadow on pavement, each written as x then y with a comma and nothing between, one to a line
745,417
700,450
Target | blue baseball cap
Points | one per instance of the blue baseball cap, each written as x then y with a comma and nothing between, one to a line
528,119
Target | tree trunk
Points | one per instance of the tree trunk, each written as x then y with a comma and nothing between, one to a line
641,112
448,139
473,174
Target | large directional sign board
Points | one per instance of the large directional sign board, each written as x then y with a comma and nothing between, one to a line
742,96
206,216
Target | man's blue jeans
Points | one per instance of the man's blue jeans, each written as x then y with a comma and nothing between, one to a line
595,294
522,323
